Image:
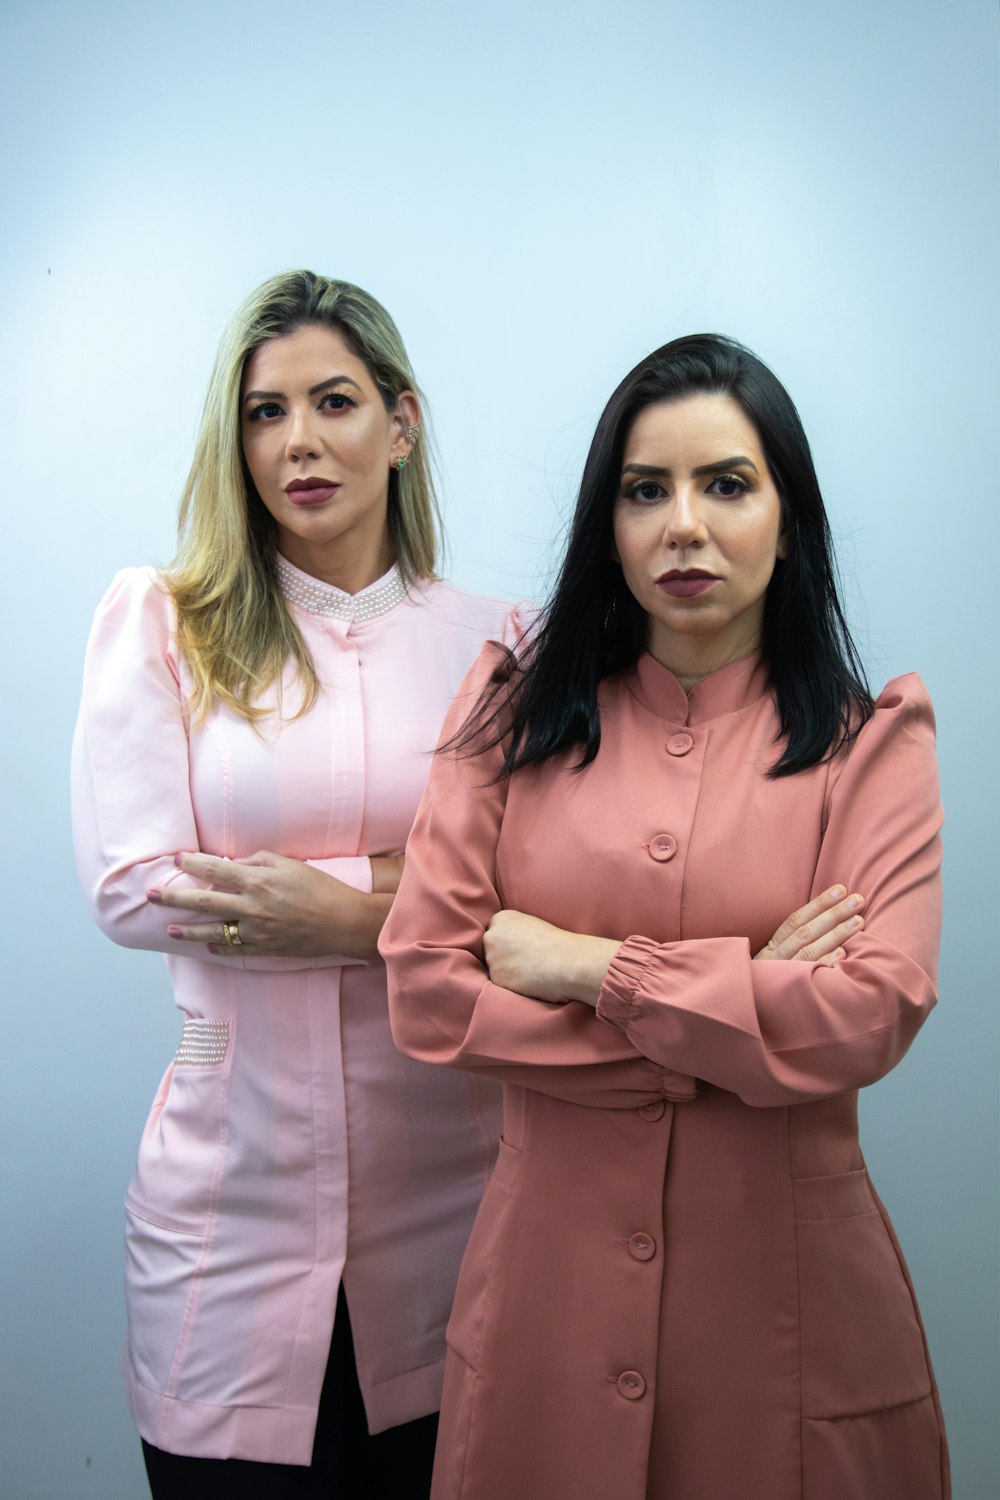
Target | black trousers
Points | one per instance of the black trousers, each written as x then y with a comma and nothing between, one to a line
347,1464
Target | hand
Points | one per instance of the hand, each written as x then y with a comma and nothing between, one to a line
817,932
284,907
543,962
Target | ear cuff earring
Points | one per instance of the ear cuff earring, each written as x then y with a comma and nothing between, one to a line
411,433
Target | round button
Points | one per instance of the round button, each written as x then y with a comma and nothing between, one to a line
679,744
653,1111
631,1385
663,846
642,1247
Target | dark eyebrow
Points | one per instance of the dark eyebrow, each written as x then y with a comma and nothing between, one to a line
738,461
646,471
653,471
314,390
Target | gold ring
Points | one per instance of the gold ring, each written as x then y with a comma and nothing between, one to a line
231,933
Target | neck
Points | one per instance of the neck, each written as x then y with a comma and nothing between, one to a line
690,658
349,567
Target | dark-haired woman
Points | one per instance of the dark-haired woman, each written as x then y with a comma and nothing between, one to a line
680,1285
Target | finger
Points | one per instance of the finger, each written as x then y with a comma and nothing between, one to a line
807,913
830,941
188,932
225,873
824,932
213,936
813,921
834,916
802,915
207,903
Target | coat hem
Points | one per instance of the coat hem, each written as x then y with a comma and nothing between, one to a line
404,1398
271,1434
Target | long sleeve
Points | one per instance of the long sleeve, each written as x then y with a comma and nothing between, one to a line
782,1032
132,806
443,1007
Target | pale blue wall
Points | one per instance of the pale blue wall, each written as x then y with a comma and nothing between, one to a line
540,193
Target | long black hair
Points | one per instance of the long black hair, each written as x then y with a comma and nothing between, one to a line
547,702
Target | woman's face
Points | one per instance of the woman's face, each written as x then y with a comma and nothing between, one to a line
319,445
697,529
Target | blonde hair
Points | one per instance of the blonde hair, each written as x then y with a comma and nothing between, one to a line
233,626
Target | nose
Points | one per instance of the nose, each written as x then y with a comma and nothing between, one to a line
685,523
301,436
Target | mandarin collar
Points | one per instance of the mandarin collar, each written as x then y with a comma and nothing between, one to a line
319,598
725,691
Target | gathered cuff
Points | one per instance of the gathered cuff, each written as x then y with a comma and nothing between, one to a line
617,998
625,972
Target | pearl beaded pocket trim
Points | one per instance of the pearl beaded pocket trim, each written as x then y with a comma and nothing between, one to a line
203,1043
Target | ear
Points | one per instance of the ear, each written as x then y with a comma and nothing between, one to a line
406,415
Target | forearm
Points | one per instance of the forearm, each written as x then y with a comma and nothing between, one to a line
386,872
446,1008
772,1033
359,938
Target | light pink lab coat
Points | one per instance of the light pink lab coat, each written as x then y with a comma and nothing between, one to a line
290,1143
680,1285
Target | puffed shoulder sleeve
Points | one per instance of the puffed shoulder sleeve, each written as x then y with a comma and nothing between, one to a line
781,1032
131,806
443,1006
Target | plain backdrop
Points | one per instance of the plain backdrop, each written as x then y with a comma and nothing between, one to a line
540,193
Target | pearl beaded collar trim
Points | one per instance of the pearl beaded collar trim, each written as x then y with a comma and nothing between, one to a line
319,598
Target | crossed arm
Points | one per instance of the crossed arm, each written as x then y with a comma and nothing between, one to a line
283,907
544,962
287,908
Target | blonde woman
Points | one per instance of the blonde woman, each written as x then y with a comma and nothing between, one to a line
252,743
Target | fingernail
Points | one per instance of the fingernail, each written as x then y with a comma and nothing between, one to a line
837,892
856,902
153,896
173,932
177,860
855,922
212,947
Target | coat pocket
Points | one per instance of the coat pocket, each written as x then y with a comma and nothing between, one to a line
862,1343
182,1151
160,1270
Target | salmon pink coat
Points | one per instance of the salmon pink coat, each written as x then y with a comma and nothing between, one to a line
290,1144
681,1284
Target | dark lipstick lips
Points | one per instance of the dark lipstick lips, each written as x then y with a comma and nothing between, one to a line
686,584
311,491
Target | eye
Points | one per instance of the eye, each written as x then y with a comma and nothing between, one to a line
646,491
336,401
264,411
729,486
